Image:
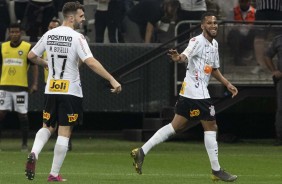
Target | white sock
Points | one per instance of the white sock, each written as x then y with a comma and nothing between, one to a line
160,136
212,149
60,152
42,136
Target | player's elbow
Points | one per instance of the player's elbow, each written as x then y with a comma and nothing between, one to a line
31,56
91,63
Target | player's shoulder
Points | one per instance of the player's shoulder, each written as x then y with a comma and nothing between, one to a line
26,43
81,36
6,43
62,30
197,40
193,39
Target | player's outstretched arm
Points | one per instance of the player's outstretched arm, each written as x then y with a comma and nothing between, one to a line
217,74
96,66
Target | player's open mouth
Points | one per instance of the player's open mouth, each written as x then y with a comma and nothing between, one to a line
213,31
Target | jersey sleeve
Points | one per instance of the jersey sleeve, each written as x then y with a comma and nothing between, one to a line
83,49
39,47
192,48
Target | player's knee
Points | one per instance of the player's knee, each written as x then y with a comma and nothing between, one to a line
209,125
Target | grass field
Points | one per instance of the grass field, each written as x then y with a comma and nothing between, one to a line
102,161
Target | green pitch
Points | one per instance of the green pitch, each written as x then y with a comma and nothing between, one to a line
96,161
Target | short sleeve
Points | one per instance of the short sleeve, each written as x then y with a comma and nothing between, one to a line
83,49
39,47
192,48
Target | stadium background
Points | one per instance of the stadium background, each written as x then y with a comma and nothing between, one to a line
147,93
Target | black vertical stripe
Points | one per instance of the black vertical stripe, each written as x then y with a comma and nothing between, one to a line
269,5
53,65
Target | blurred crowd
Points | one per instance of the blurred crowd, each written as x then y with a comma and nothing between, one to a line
33,15
116,21
116,18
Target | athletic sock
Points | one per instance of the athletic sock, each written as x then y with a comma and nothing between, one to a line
60,152
42,136
160,136
212,149
24,127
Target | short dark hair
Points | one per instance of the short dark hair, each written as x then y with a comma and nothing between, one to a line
207,14
56,21
71,7
15,25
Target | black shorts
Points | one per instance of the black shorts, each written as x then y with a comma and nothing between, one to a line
195,109
66,110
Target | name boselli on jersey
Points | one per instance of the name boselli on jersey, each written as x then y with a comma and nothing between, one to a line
64,47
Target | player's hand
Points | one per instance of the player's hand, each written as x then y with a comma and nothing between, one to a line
33,89
277,74
116,86
232,89
174,55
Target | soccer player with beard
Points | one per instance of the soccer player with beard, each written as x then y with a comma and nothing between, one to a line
194,102
63,106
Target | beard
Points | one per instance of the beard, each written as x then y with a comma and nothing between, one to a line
76,25
15,39
210,35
